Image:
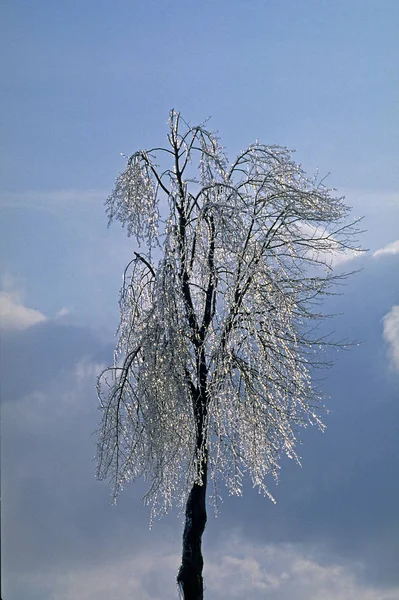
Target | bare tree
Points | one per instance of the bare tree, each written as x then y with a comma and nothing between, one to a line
217,339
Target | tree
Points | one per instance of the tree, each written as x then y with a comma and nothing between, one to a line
213,371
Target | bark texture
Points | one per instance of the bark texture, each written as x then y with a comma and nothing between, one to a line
189,578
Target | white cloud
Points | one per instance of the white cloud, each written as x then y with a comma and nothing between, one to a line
329,251
380,209
241,569
339,258
387,250
14,315
235,568
391,334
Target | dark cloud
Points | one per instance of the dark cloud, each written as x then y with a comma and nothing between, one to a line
54,510
345,496
35,357
342,502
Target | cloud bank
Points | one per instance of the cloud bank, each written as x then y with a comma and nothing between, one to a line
388,250
14,315
236,568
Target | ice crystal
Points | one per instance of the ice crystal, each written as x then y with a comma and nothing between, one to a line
226,314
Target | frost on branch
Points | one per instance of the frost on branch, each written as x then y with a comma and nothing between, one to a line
218,337
134,200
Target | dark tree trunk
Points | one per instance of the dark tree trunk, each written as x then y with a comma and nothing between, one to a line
189,577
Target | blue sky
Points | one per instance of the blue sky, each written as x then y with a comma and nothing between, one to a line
83,82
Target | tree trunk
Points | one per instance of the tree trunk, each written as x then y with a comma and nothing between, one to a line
189,577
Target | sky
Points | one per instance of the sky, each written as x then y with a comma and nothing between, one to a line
83,82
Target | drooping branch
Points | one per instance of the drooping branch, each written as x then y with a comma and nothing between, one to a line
225,317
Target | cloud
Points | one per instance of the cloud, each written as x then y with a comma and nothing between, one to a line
388,250
45,409
61,535
340,258
36,357
324,249
380,209
63,312
234,568
391,334
51,499
14,315
238,568
147,575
